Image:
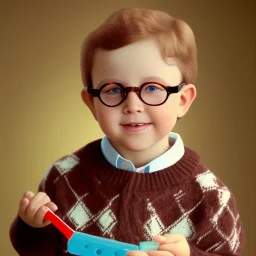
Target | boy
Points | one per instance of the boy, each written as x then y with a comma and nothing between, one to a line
139,182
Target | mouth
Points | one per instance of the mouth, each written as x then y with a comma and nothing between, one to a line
135,127
134,124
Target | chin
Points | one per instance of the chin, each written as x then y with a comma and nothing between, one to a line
137,147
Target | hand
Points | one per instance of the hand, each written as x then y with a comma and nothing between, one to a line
32,208
169,245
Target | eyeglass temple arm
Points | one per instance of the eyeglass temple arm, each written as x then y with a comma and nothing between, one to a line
175,89
90,90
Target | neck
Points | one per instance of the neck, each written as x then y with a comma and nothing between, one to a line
144,157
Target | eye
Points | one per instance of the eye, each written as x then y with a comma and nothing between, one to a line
153,88
114,91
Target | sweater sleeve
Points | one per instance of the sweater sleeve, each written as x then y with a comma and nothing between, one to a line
27,240
219,230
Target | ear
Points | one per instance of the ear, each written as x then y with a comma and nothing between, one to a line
187,96
88,100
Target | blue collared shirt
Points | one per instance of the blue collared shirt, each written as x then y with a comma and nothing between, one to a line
170,157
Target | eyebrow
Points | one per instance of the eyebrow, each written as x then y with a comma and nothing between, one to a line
144,80
154,79
107,80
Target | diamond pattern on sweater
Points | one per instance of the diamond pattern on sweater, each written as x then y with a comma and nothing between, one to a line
153,226
181,224
82,216
207,181
79,215
107,221
228,232
184,227
67,164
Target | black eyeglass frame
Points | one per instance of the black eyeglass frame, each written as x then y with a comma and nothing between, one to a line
137,90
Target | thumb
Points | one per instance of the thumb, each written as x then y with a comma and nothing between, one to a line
160,239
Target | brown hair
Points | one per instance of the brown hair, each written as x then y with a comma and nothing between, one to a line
126,26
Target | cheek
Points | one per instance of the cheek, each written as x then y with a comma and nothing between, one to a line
165,117
100,109
105,116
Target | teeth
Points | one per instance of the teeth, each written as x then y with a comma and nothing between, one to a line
136,124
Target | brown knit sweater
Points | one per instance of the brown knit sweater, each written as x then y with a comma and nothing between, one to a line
96,198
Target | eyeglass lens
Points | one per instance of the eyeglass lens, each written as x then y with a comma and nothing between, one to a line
153,94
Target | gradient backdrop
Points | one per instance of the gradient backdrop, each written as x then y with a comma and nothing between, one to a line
43,117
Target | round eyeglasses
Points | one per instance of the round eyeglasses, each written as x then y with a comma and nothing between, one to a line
151,93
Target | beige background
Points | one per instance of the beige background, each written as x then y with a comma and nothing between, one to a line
43,117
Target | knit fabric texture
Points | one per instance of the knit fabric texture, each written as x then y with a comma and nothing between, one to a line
96,198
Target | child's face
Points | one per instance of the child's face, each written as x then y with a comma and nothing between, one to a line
133,65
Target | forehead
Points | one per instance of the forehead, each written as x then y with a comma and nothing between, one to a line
133,64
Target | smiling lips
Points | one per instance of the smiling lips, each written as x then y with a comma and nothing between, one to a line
135,127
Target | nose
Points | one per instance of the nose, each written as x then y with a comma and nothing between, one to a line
133,104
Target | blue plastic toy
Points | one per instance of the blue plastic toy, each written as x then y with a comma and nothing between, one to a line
88,245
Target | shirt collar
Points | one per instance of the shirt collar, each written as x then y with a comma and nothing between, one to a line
170,157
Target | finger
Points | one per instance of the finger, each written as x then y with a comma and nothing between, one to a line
174,248
36,202
174,238
52,206
40,196
24,202
160,239
39,216
169,238
160,253
22,206
136,253
29,195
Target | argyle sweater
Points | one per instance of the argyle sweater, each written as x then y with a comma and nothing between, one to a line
96,198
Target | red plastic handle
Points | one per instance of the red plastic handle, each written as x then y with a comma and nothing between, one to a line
59,224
